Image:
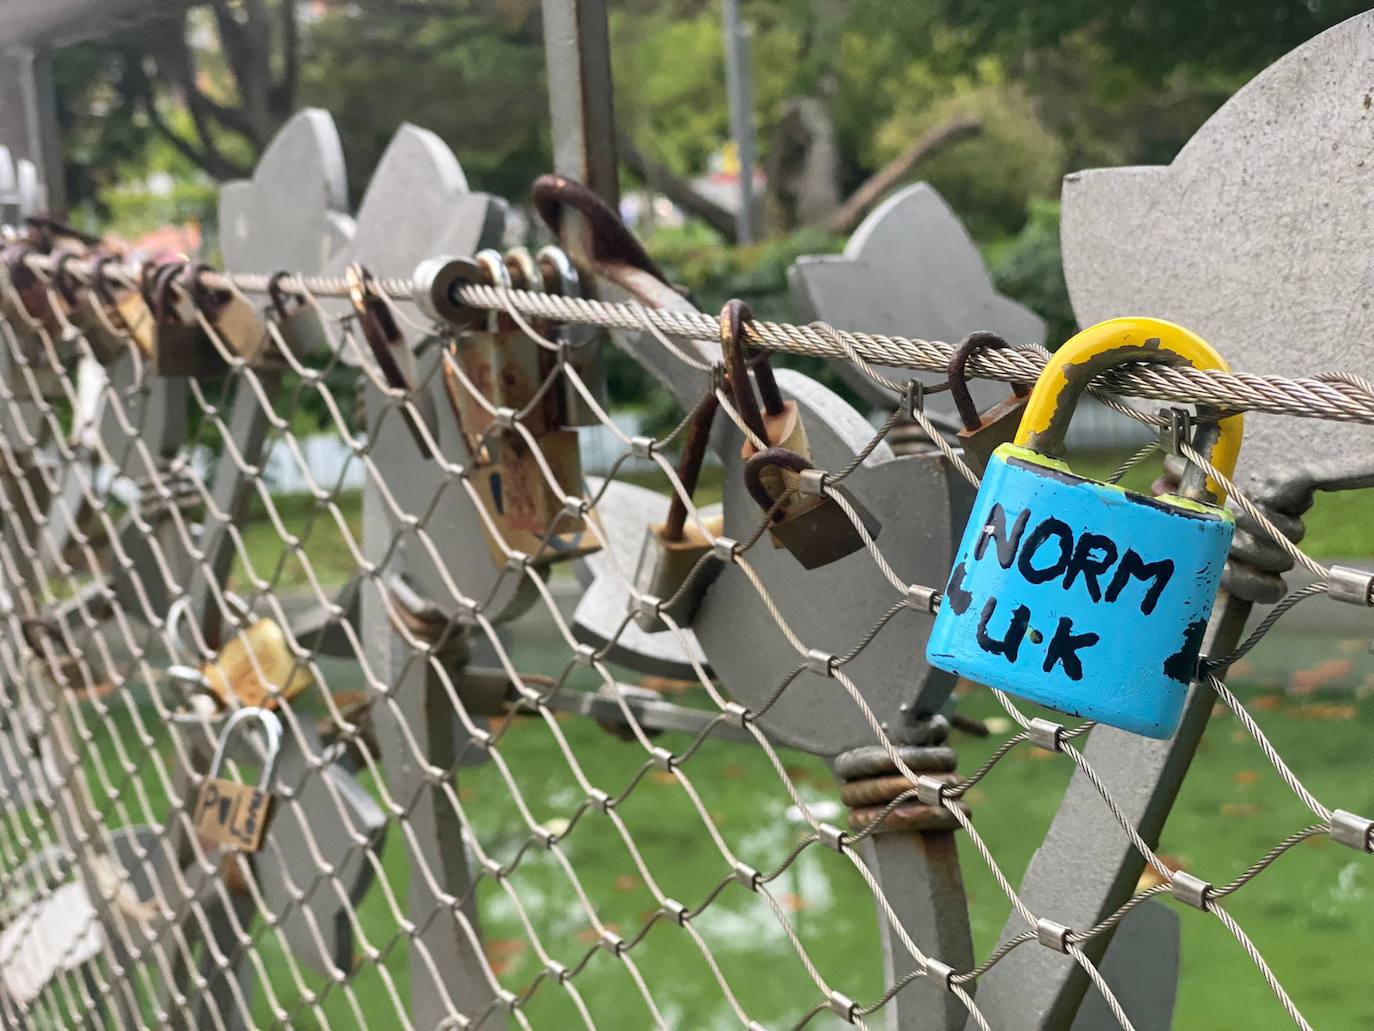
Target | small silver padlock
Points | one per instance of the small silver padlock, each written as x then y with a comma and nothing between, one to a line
983,432
230,813
810,524
670,577
181,347
301,324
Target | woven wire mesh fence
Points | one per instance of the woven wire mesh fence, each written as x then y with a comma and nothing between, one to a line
461,784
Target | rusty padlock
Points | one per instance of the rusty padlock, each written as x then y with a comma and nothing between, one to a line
812,525
983,433
92,311
778,422
300,323
503,371
393,355
27,311
532,515
181,346
228,812
667,578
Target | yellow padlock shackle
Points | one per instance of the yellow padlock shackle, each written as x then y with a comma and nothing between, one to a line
1106,346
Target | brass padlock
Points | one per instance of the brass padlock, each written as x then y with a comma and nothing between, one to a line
228,812
809,523
181,346
302,325
983,433
92,311
255,668
778,423
667,578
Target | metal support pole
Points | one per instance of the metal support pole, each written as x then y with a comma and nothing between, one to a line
739,87
577,55
28,114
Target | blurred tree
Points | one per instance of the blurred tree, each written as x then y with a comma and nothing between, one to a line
215,80
470,70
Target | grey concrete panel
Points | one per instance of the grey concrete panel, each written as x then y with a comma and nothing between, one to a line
910,269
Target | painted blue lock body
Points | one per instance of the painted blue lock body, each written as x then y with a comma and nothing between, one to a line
1082,596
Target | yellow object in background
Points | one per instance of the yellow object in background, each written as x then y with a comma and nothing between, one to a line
257,668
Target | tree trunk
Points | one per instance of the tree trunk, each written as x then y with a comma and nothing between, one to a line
803,166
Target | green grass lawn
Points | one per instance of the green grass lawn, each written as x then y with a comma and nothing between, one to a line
1308,914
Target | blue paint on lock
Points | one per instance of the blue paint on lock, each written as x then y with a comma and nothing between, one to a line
1079,595
1083,596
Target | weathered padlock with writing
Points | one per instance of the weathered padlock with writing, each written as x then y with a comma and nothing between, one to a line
231,813
670,578
495,379
983,432
500,370
812,526
300,323
1080,595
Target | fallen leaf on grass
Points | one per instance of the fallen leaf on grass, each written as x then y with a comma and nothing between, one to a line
1323,711
1306,681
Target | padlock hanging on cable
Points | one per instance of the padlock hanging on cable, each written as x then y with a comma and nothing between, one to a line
498,366
504,369
670,577
181,346
228,812
301,324
776,422
1084,596
391,351
983,432
110,319
809,522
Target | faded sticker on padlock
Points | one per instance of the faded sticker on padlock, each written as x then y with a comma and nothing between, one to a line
230,813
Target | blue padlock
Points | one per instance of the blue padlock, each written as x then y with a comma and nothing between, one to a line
1084,596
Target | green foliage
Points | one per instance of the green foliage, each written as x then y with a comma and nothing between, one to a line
471,72
1029,268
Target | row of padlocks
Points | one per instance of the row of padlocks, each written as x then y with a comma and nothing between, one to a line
1074,594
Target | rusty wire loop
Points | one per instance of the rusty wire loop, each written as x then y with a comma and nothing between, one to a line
100,496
